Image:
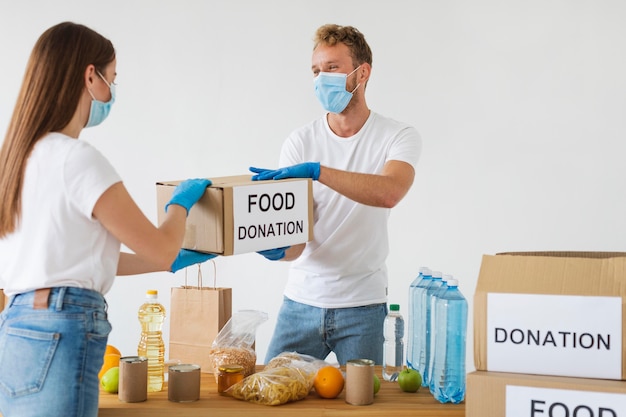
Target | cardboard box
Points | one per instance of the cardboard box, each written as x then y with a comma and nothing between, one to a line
499,394
2,300
237,215
551,313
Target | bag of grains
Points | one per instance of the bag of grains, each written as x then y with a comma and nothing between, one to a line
233,345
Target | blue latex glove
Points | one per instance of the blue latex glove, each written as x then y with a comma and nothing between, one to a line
274,254
187,258
188,192
304,170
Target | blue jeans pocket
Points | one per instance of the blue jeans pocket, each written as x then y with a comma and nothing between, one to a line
99,326
18,346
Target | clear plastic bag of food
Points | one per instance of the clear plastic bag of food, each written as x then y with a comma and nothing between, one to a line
233,344
291,359
276,386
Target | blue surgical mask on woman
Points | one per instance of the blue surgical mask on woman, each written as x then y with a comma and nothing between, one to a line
330,89
99,109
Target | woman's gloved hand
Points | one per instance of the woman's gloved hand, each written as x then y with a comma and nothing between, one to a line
187,258
303,170
188,192
274,254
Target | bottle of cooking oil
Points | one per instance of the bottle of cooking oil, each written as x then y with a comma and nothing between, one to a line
151,316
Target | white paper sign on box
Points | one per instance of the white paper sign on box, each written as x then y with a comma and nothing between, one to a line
270,215
579,336
545,402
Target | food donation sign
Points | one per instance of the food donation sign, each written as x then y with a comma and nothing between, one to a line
270,215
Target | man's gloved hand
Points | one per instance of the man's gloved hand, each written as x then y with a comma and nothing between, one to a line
274,254
304,170
188,192
187,258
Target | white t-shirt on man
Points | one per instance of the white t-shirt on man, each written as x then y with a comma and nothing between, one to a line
344,264
58,242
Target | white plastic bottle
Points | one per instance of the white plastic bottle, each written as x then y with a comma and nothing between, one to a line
151,317
448,371
393,348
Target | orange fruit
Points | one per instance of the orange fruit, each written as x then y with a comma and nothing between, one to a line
111,360
328,382
112,349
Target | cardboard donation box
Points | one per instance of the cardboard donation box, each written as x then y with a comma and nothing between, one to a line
551,313
237,215
499,394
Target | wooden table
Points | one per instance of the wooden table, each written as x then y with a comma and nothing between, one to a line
390,400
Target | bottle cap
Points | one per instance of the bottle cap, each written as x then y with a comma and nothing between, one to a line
152,292
436,274
394,307
446,277
453,282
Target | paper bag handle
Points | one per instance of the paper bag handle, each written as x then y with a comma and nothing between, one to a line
200,283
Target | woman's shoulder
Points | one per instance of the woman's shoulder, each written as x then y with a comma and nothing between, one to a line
60,143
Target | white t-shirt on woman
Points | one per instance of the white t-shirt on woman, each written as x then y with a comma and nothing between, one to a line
344,264
58,242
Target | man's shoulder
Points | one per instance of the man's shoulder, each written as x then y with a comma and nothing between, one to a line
312,128
378,118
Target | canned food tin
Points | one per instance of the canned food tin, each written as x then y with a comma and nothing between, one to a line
183,384
360,382
133,379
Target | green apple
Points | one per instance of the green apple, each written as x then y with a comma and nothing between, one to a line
110,380
409,380
376,384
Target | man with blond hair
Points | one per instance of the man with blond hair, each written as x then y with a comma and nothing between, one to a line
362,164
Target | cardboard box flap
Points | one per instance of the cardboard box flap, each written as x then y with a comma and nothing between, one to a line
228,181
594,273
567,254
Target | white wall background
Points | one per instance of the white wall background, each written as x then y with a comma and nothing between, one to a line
521,106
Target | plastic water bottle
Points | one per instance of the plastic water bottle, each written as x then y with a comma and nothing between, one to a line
393,348
448,372
424,358
433,320
411,329
417,313
151,317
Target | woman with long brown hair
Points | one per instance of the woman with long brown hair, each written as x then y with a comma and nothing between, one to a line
64,214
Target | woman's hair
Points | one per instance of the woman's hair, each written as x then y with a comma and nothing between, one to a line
350,36
49,96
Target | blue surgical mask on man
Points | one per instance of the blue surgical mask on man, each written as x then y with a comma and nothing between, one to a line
330,89
99,109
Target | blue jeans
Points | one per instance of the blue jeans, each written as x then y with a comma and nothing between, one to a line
352,333
50,358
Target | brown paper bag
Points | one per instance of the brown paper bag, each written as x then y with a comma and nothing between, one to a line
197,314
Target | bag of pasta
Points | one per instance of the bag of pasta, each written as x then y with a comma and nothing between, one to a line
291,359
233,344
276,386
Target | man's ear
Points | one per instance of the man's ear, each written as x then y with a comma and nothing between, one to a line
365,71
